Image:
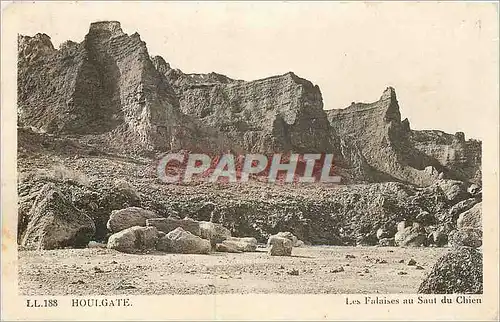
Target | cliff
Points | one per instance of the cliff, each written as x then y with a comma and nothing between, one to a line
397,153
108,92
105,88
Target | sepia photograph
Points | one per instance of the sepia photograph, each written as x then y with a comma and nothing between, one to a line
251,148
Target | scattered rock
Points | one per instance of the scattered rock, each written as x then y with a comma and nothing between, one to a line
473,189
412,262
78,282
425,218
125,287
402,273
169,224
386,242
418,267
438,237
349,256
128,217
214,232
368,239
293,272
94,244
279,246
182,241
459,272
134,239
337,270
402,225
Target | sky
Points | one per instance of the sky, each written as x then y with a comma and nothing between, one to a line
442,58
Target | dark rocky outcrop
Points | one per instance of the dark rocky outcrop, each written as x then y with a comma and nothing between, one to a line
471,218
470,237
460,271
53,222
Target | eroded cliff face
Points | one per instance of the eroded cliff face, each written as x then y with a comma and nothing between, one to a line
110,93
106,88
462,157
275,114
394,152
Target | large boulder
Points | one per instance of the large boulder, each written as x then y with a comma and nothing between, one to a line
53,222
459,208
413,236
216,233
169,224
454,190
472,218
459,271
226,248
129,217
289,235
470,237
134,239
242,244
182,241
279,246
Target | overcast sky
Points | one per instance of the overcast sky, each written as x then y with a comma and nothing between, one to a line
442,59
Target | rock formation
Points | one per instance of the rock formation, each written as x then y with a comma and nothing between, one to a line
391,151
54,222
105,107
105,87
110,91
458,272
